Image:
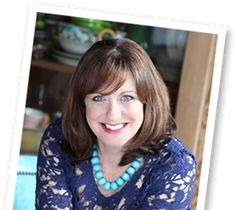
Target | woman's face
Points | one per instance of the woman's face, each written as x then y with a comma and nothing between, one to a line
115,118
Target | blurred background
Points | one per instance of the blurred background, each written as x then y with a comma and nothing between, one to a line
183,58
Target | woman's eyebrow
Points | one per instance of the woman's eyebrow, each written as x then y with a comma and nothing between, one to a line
121,93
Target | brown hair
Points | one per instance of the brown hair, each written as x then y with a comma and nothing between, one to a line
106,64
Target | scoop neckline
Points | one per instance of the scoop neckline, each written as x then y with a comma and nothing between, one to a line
136,176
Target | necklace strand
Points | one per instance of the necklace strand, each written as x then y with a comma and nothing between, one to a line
120,181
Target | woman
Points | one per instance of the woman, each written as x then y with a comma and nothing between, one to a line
114,147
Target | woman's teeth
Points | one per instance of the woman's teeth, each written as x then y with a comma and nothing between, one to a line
115,127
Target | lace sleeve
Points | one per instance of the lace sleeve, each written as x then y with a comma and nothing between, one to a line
173,187
51,189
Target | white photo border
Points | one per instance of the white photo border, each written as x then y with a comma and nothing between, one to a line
126,18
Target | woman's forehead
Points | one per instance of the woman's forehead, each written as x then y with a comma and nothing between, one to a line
125,83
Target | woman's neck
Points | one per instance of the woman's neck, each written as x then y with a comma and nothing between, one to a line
109,159
110,156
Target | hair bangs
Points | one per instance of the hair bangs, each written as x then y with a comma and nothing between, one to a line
107,77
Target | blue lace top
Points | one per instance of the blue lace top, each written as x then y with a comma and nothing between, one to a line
163,182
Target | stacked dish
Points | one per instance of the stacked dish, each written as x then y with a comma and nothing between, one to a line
73,41
66,58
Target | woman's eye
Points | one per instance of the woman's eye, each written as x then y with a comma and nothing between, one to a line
98,98
127,98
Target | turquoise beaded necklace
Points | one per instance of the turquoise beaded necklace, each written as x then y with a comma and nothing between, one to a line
119,182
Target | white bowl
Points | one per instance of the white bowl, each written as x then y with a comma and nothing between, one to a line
74,46
34,118
75,32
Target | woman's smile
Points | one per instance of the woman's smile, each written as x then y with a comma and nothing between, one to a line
114,129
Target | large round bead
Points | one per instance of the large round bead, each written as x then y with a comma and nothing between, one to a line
107,186
125,176
102,181
114,186
131,170
99,174
140,158
95,160
95,153
135,164
120,181
97,167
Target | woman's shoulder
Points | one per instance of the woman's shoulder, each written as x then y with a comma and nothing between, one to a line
176,156
54,129
52,136
177,149
170,178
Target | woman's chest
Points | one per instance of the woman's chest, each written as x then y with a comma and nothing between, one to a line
87,194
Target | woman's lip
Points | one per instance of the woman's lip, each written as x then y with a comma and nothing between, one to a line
116,131
113,124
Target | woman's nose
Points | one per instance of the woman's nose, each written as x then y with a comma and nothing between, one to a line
114,111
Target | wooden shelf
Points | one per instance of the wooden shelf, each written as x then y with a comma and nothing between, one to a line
52,66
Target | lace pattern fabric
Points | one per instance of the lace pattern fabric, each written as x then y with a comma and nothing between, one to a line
164,182
171,185
52,190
